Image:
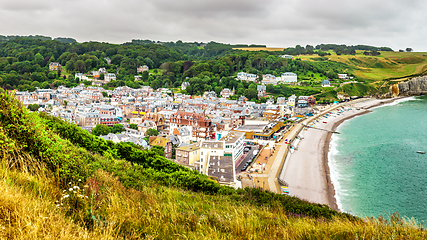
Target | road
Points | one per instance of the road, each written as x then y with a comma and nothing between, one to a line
248,156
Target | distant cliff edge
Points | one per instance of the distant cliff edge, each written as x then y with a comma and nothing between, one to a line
414,87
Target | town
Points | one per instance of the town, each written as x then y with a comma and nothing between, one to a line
222,138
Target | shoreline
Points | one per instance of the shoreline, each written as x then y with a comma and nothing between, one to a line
326,147
307,170
325,156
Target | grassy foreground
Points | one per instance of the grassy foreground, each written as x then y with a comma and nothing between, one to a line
52,189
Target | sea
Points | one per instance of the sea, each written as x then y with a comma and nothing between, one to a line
374,164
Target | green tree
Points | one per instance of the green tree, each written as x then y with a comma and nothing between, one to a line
79,66
33,107
117,128
101,129
251,93
158,150
45,85
152,132
218,90
252,86
144,76
104,94
51,75
70,66
133,126
58,83
38,59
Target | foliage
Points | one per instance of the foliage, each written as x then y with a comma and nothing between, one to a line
158,150
358,89
101,129
133,126
151,132
33,107
283,90
117,128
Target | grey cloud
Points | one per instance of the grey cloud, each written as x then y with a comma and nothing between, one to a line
280,23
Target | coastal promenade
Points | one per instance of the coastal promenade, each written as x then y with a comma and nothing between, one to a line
280,156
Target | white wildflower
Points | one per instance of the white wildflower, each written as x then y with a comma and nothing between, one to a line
66,196
69,183
80,180
71,189
64,191
76,187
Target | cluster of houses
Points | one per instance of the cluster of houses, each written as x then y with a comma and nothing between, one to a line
95,76
286,78
206,133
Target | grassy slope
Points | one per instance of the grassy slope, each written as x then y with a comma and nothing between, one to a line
385,66
33,203
260,49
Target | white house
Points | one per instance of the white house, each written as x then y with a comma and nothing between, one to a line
208,149
342,76
226,92
184,85
269,79
246,76
81,76
109,77
141,69
234,144
289,77
291,100
286,56
326,83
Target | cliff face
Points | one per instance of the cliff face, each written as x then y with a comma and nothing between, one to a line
414,87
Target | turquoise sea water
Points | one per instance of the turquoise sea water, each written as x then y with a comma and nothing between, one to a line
374,163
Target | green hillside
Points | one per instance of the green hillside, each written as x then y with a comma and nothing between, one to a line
24,65
58,181
387,65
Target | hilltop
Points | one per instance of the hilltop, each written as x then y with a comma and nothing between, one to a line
24,65
58,180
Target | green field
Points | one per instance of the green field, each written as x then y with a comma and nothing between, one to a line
260,49
388,65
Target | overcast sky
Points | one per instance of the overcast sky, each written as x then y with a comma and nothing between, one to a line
277,23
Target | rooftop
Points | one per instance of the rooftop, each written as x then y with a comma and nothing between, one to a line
213,144
232,137
188,148
221,167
